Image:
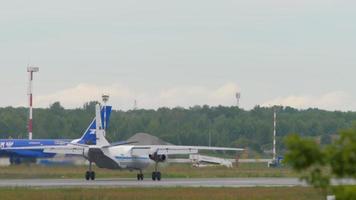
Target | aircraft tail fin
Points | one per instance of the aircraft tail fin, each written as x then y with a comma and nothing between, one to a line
100,131
90,136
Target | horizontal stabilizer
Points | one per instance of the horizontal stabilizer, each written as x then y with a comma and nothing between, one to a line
120,143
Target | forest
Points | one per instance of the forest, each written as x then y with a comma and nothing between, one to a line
198,125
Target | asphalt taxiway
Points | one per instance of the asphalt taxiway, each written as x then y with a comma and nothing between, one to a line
125,183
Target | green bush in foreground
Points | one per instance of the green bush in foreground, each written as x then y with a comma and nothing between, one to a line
337,160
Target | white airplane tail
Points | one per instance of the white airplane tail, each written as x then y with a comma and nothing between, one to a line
89,137
99,131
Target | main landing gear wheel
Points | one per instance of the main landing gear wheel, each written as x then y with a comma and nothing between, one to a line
156,176
90,175
140,177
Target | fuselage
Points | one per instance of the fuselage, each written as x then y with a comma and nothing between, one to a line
32,153
121,157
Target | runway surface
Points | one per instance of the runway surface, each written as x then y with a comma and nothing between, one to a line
124,183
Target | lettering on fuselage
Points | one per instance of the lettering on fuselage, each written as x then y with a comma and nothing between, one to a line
34,143
59,143
6,144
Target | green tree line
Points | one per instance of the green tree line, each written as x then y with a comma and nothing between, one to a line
227,126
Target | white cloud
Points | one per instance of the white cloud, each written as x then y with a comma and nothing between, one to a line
227,90
122,97
80,94
337,100
198,95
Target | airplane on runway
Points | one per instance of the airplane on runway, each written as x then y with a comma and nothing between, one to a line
24,149
124,155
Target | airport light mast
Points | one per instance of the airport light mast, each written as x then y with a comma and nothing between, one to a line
30,71
105,98
274,133
275,162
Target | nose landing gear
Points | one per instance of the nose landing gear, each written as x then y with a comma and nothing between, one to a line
140,176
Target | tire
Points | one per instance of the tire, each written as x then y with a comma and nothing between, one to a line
92,175
14,160
139,177
158,176
153,176
87,175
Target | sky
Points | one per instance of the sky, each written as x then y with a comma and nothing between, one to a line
180,53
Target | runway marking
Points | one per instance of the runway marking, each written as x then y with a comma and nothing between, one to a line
124,183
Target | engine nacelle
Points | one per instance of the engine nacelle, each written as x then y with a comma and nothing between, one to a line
157,158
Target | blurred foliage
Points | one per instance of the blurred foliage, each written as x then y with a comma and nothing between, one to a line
342,155
303,153
345,192
321,163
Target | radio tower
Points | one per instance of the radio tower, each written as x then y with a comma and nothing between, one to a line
30,71
238,96
135,105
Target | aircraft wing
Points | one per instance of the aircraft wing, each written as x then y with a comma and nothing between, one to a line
72,150
63,149
175,150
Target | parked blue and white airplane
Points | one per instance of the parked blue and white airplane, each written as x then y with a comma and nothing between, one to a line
23,149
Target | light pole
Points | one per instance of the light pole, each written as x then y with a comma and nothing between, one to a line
274,132
30,71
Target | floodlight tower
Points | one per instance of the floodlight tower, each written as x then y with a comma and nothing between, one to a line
238,96
30,71
105,98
